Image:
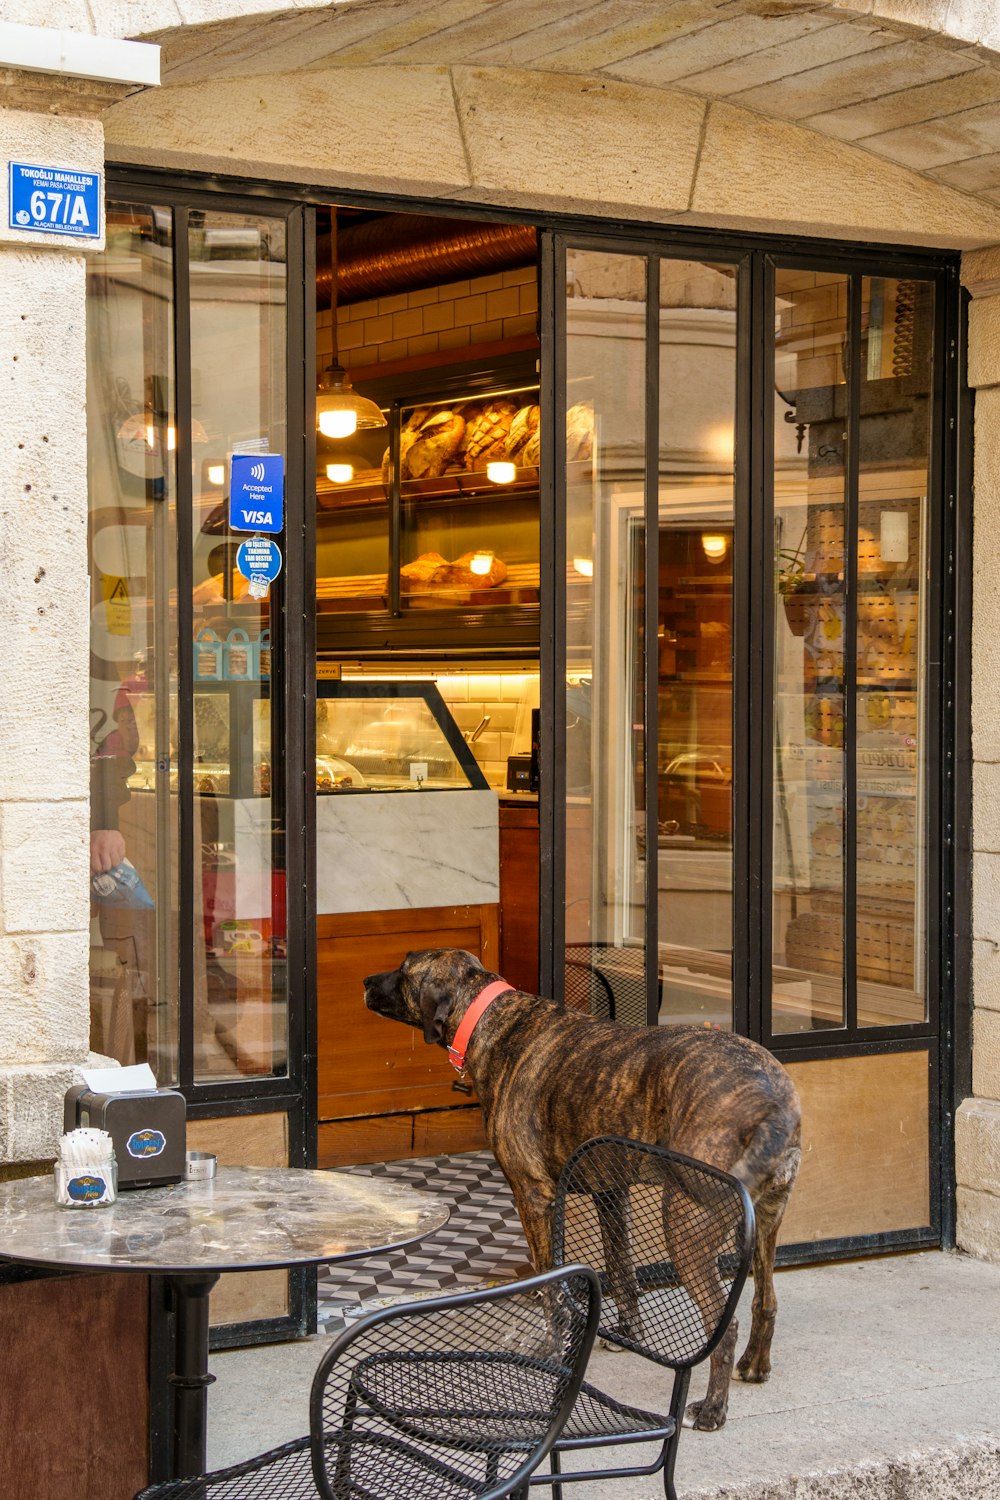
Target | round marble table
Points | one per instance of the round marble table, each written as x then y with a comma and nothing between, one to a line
244,1219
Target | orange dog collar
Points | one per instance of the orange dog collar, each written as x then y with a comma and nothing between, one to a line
467,1025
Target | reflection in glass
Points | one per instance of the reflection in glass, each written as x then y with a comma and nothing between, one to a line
695,640
131,436
605,636
238,313
897,335
810,407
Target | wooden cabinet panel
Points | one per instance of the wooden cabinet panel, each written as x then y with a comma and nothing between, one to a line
519,894
865,1154
348,1143
366,1064
74,1402
429,1132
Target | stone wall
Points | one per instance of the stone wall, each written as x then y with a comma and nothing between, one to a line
44,625
978,1120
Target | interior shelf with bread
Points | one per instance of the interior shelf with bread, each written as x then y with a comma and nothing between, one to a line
439,510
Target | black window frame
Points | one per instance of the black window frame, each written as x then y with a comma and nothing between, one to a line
947,1032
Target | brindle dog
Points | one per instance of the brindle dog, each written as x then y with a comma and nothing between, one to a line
549,1079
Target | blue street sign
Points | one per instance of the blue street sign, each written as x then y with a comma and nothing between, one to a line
257,492
55,200
259,560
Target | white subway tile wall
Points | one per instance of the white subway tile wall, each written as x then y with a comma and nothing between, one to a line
507,697
455,316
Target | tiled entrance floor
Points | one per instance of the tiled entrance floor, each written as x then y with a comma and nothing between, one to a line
482,1241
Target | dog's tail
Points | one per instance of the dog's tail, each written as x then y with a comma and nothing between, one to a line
773,1152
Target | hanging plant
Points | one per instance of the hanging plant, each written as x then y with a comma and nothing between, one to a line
794,590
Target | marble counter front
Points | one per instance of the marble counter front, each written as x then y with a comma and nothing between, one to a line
386,851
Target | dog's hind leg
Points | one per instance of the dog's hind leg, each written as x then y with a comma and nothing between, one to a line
694,1239
614,1219
755,1362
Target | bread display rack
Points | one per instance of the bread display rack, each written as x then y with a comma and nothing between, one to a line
446,500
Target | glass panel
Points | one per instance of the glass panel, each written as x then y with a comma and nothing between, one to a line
238,379
131,438
352,517
389,737
695,640
810,408
897,320
605,644
469,485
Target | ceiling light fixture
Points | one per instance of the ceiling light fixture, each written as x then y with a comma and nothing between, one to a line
340,473
714,545
500,472
340,411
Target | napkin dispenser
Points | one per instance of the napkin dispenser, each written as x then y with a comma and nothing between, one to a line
148,1127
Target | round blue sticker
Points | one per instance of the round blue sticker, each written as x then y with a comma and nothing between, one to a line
259,560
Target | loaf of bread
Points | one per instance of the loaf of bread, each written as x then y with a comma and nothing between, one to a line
579,431
408,435
487,437
210,592
523,438
420,573
434,446
462,574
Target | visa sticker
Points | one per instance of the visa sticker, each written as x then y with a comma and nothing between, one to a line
143,1143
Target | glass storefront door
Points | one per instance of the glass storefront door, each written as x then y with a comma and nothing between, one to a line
195,732
745,454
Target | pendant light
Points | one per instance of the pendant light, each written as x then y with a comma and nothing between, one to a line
340,411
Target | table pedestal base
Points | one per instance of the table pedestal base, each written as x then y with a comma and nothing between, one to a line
190,1378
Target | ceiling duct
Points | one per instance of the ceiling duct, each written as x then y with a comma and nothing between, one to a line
404,252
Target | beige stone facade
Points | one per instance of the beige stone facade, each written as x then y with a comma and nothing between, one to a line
863,120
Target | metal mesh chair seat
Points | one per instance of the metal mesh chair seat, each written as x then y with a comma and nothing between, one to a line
285,1471
596,1414
494,1399
458,1398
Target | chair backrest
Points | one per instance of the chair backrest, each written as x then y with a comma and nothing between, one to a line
587,989
480,1384
671,1238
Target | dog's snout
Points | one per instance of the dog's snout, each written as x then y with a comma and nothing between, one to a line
379,988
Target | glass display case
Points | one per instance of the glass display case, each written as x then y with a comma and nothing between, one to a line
390,737
436,511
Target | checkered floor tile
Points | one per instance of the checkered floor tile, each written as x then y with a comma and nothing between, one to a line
481,1242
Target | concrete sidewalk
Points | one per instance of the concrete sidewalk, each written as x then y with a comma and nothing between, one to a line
886,1386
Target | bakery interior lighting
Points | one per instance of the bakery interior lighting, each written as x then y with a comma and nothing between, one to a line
714,545
340,473
216,473
481,562
340,411
584,566
501,472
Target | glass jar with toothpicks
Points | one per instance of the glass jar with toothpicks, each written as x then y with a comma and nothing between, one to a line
86,1172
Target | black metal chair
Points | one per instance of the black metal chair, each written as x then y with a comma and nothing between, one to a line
672,1240
586,989
446,1399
